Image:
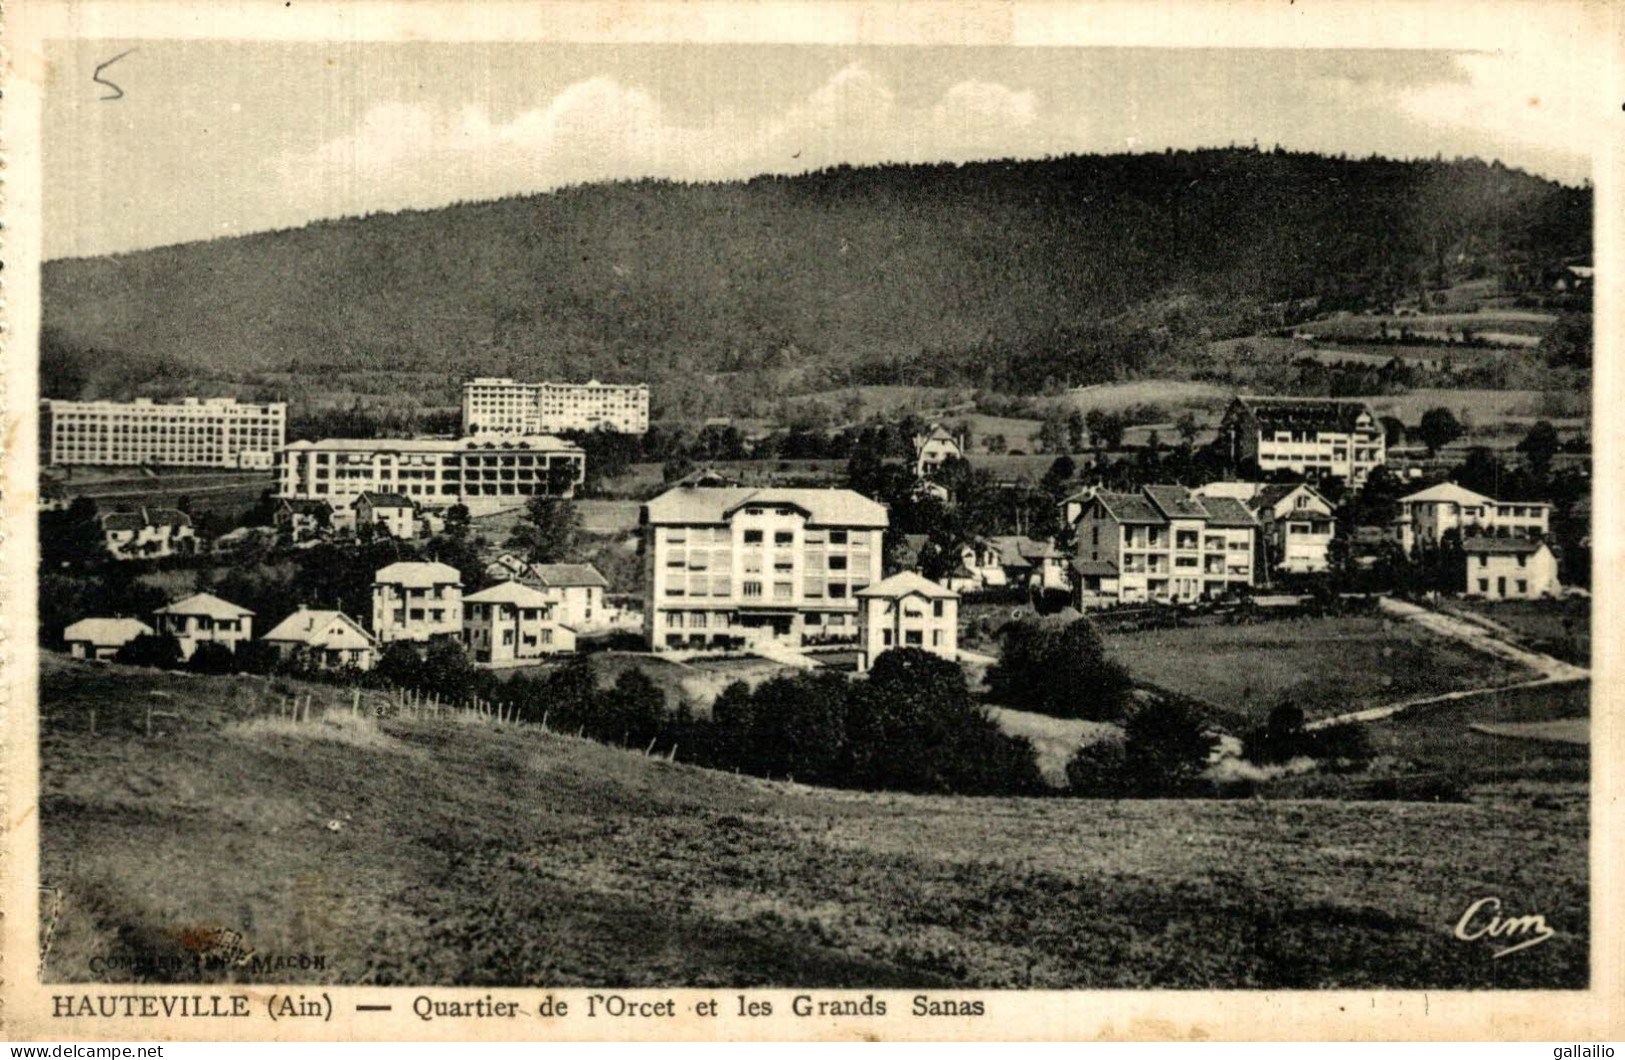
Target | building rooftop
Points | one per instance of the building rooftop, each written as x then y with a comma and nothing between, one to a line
144,518
419,575
907,583
569,575
1501,545
204,604
106,631
492,442
1446,493
509,593
325,629
1306,414
1095,568
824,507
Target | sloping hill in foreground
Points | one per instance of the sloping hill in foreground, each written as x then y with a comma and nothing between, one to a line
464,853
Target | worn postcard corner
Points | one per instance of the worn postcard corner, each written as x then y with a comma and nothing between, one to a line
819,520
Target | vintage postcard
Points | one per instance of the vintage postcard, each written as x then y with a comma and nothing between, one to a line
811,520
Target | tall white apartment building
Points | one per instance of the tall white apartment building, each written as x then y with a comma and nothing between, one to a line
417,602
738,564
486,474
506,406
1312,437
211,432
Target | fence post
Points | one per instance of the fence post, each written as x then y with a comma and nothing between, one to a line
93,721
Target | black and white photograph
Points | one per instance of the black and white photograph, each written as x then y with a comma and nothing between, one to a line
838,529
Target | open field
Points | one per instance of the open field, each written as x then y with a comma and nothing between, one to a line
1560,628
1513,322
1440,736
888,401
1480,407
1326,666
1170,393
470,854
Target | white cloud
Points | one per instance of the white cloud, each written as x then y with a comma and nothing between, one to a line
597,129
1520,101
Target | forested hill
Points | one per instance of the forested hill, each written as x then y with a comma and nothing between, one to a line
994,274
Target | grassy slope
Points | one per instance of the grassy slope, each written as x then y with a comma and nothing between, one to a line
1327,666
474,856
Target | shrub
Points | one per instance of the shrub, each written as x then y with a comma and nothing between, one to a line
211,657
1060,670
149,649
1098,770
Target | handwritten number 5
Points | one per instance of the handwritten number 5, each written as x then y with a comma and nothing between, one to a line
118,93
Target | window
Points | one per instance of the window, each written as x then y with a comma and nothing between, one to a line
1523,561
913,638
783,591
837,537
697,620
750,589
753,511
1483,561
1523,586
837,563
839,620
784,537
936,609
1094,536
886,637
674,619
837,591
1483,585
753,537
784,563
936,638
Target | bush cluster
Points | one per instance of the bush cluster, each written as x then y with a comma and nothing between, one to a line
1059,668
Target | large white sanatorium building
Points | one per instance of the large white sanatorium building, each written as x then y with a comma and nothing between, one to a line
731,564
486,474
212,432
506,406
1312,437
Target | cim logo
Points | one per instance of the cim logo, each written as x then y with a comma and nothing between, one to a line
1483,920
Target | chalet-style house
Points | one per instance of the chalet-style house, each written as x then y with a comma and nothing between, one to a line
1296,524
327,640
148,533
576,588
934,448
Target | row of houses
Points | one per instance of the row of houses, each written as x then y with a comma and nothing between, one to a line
535,610
1313,438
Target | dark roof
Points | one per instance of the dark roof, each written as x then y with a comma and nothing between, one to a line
1227,511
145,517
1130,508
1095,568
565,575
1504,545
384,500
1176,502
1305,414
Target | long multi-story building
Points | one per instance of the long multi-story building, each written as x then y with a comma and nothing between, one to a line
211,432
1311,437
1163,543
507,406
486,474
1426,516
738,564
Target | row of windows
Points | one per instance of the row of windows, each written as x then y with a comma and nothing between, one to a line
724,620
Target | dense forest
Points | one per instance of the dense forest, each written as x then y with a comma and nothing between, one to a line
999,275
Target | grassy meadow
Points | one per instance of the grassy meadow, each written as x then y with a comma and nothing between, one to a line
461,852
1325,665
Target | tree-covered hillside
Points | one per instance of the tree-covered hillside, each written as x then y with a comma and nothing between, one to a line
997,274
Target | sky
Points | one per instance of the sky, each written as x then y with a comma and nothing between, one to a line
214,138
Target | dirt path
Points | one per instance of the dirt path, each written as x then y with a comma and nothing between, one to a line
1476,635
